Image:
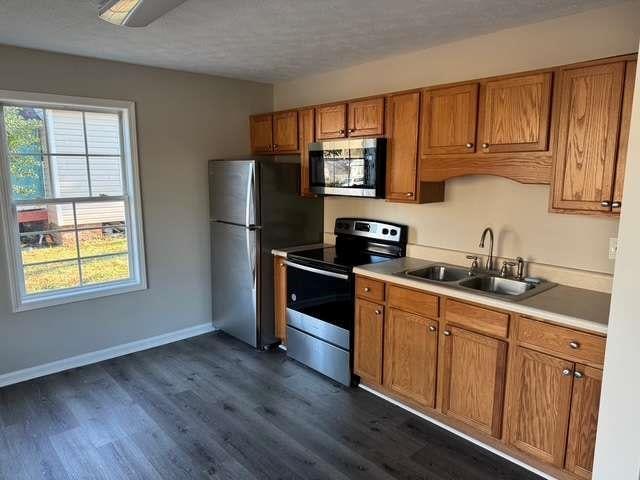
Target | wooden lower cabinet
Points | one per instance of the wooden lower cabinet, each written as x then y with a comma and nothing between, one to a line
474,379
280,300
583,423
368,331
411,356
540,404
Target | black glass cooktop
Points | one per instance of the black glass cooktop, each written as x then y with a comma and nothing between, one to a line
331,256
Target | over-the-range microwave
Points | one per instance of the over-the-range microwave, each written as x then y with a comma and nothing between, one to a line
352,167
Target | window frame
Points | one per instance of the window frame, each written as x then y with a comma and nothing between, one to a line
21,301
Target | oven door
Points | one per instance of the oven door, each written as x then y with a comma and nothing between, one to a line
348,167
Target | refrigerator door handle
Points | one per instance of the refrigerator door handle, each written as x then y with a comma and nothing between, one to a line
251,256
250,217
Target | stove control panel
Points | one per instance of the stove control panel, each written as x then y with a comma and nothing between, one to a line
371,229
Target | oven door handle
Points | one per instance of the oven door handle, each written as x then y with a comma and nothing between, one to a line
326,273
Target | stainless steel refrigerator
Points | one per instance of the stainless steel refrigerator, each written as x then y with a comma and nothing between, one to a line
254,207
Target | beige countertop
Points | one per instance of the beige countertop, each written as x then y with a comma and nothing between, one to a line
573,307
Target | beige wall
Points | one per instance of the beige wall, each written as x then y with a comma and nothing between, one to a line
183,120
518,213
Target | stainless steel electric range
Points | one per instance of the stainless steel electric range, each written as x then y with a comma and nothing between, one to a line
320,293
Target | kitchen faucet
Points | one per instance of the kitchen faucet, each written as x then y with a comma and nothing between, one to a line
489,265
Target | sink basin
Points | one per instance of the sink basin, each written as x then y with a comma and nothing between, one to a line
440,273
498,285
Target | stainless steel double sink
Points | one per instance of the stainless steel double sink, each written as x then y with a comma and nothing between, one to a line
483,283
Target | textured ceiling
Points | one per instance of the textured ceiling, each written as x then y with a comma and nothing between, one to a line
269,40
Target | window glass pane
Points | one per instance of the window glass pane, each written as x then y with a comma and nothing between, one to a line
25,129
28,176
37,218
52,276
107,269
65,132
70,177
48,246
103,133
103,241
99,214
106,176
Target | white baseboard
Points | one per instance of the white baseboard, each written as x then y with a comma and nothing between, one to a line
105,354
459,433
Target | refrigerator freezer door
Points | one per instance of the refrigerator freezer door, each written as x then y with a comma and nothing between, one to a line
235,262
232,192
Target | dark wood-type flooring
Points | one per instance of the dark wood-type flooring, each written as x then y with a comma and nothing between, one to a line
210,407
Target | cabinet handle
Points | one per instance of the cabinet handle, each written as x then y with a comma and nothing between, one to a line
282,265
469,145
275,147
432,328
351,130
408,194
378,312
616,205
485,145
566,372
605,204
367,289
578,375
446,333
575,345
341,132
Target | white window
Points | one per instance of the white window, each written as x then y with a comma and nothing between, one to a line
70,198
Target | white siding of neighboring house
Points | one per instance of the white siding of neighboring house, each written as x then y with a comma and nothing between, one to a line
69,174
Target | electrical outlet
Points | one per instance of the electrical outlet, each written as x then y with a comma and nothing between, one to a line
613,248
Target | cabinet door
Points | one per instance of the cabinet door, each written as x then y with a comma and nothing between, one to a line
449,120
474,379
539,405
411,356
262,133
369,325
280,300
585,404
285,132
514,114
623,145
402,149
589,120
366,117
306,132
331,121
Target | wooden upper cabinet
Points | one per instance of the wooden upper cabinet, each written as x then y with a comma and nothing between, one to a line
366,118
474,379
331,121
515,114
588,128
368,334
539,406
402,150
285,132
306,133
449,119
411,356
585,404
623,146
261,133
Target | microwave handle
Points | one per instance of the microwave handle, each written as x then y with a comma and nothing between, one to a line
326,273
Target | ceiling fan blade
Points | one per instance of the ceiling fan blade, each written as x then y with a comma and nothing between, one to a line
135,13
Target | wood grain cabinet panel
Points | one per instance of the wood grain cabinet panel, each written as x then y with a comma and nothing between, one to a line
515,113
368,332
474,379
285,132
280,300
479,319
306,135
411,356
539,406
261,133
420,303
589,124
370,289
449,119
331,121
583,423
366,118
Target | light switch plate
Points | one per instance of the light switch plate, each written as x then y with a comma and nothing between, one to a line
613,248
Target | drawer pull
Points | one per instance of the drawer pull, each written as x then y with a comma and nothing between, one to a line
566,372
446,333
367,289
575,345
578,375
432,328
378,312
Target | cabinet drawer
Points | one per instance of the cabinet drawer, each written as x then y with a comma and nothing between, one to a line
477,318
370,289
422,303
578,346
